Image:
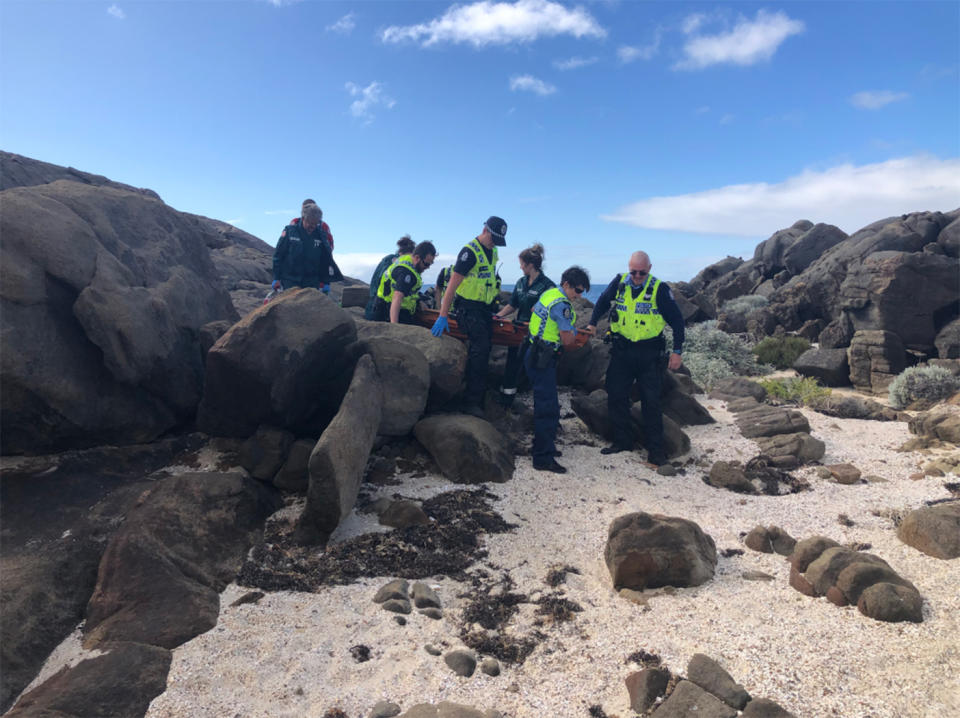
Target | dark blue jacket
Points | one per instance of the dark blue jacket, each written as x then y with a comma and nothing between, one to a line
304,259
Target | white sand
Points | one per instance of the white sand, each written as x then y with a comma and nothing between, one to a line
288,655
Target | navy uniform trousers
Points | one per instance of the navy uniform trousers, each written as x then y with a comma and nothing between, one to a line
546,407
476,321
640,362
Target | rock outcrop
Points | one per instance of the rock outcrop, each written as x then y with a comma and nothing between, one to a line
935,530
468,450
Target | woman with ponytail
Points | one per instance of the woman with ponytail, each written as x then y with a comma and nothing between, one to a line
526,292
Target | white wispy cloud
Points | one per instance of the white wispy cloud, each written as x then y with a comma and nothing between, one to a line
498,23
368,99
875,99
117,12
281,3
847,196
630,53
574,63
344,25
747,43
529,83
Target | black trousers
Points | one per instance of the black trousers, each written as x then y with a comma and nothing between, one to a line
640,362
513,373
476,321
381,313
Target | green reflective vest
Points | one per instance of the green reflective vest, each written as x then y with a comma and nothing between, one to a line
542,325
385,292
480,285
637,318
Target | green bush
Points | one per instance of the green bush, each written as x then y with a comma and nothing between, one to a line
781,352
743,305
803,391
928,384
711,355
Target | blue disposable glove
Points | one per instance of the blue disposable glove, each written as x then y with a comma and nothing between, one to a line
275,285
325,289
440,326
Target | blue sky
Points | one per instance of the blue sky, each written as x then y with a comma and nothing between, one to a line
689,130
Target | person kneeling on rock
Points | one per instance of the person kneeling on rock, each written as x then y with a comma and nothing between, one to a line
551,329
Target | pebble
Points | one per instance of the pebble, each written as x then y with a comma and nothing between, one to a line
424,596
461,662
384,709
435,613
490,666
397,605
432,650
395,589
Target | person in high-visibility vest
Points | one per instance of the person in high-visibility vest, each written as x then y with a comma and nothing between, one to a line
397,294
405,245
642,307
551,329
473,283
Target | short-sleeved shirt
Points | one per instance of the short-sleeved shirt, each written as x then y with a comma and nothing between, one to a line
562,314
466,260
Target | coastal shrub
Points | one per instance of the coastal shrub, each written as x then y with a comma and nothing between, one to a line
743,305
781,352
803,391
929,384
711,354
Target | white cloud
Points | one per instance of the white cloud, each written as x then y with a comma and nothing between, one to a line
369,98
875,99
574,63
749,42
498,23
344,25
529,83
117,12
847,196
281,3
629,53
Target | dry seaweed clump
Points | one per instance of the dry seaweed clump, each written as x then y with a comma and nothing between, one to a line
448,546
557,608
644,658
558,575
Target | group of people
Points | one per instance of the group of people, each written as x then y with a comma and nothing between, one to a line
639,305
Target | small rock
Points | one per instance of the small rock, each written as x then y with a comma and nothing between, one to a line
490,666
432,649
435,613
667,470
401,620
636,597
824,473
844,473
403,514
688,699
710,675
889,602
424,596
384,709
395,589
249,597
756,576
871,479
397,605
461,662
645,687
360,653
765,708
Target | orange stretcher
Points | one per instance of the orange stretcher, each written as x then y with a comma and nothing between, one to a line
506,332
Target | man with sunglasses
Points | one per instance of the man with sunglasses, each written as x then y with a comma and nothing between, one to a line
397,294
551,329
642,307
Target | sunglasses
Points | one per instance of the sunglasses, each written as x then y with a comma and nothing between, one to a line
637,273
578,290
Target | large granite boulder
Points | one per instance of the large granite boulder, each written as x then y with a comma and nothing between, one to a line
769,254
935,530
875,358
941,422
160,578
810,246
828,366
446,356
905,293
949,239
650,550
338,460
116,684
947,341
854,407
19,171
771,421
405,377
592,410
103,293
283,364
468,450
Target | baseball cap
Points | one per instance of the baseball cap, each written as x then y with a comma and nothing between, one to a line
498,228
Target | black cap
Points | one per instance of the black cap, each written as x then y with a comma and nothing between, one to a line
498,229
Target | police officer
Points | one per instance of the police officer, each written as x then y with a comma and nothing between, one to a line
526,293
551,329
397,294
474,284
303,257
643,305
405,245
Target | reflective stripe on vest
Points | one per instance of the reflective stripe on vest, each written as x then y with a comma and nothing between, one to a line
409,301
637,318
480,284
542,325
